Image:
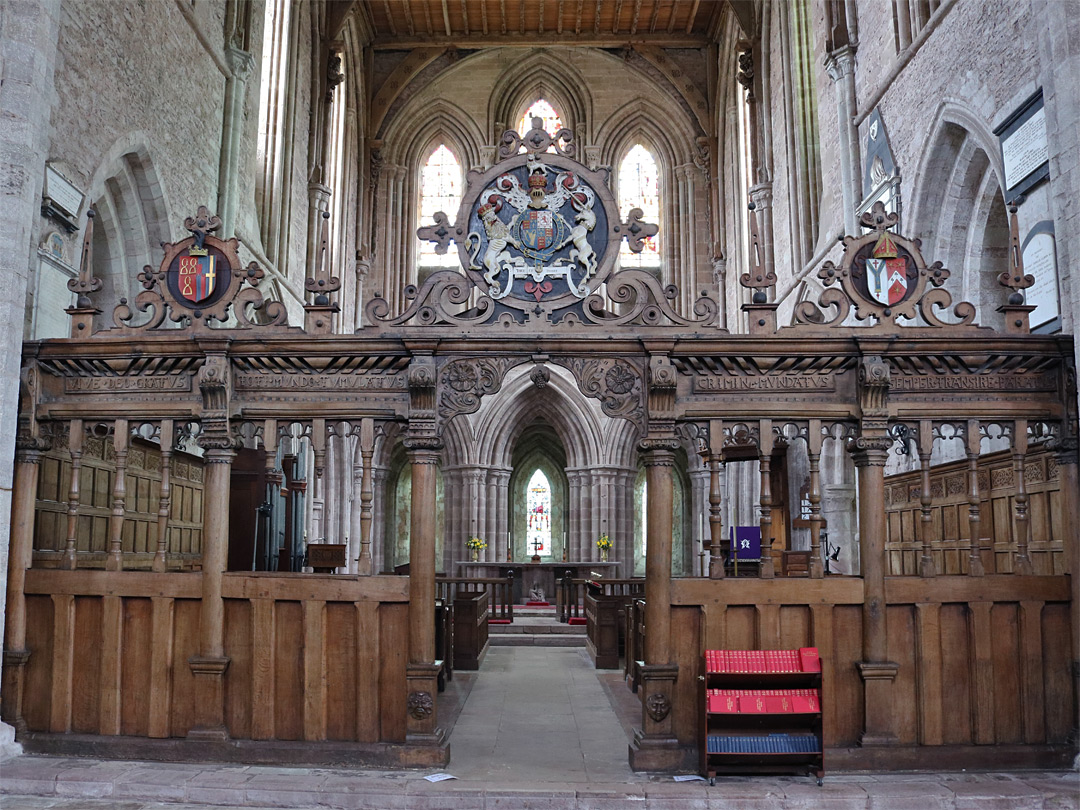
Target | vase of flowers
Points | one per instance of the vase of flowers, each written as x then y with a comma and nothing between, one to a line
604,544
474,544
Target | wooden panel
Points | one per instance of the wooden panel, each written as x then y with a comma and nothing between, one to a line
112,628
821,621
327,587
1007,699
1031,672
263,634
341,671
909,590
955,675
686,624
238,681
928,672
135,669
393,630
848,687
1059,699
114,583
794,627
161,666
186,623
900,620
314,672
289,671
86,683
751,591
982,669
368,700
37,694
740,624
767,629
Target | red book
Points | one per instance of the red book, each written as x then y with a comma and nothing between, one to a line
776,704
805,704
723,704
754,704
757,661
809,660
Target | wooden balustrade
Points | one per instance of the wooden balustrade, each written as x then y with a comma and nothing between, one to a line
500,592
606,603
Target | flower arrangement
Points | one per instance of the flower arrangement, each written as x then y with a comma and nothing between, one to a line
604,543
475,543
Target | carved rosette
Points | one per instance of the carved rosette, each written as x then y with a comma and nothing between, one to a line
617,383
462,383
884,277
420,705
658,705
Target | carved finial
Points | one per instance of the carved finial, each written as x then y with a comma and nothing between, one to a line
877,218
1014,278
334,76
201,224
745,74
82,314
757,279
321,284
537,140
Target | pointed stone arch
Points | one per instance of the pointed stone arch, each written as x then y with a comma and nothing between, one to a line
132,215
958,207
542,74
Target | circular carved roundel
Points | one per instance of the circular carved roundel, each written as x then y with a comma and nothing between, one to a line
540,229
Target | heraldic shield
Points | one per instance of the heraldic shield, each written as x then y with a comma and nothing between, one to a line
197,277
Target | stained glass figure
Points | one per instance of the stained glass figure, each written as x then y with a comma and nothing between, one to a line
538,509
440,190
639,187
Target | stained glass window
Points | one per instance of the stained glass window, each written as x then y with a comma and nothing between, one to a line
639,187
543,110
538,506
440,190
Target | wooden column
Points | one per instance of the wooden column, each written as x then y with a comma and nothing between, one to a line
813,452
972,438
1069,515
926,450
655,746
115,561
765,448
877,672
1021,520
210,664
164,496
422,671
367,494
716,529
20,557
75,448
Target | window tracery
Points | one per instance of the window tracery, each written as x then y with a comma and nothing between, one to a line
538,506
543,110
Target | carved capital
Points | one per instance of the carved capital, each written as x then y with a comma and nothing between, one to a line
661,372
874,387
240,63
870,451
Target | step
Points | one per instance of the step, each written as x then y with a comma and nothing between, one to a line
535,640
520,627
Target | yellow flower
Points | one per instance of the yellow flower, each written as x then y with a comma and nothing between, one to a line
604,542
475,542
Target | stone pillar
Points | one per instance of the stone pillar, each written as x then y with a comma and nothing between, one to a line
24,501
491,509
655,746
840,65
421,672
210,664
502,519
240,65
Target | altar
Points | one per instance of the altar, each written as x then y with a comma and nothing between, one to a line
529,574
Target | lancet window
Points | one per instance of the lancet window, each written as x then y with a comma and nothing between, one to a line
639,187
538,522
440,190
543,110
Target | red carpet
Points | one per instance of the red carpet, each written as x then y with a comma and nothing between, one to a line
577,620
538,604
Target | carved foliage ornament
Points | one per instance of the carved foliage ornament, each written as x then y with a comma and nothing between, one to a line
884,277
199,282
463,382
616,383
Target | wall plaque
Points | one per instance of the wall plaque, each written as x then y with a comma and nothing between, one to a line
1023,147
1040,260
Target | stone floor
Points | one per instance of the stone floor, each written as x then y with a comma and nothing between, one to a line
537,728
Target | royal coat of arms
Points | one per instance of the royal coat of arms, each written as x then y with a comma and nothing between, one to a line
531,232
